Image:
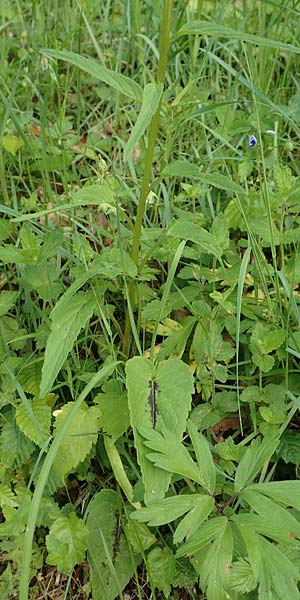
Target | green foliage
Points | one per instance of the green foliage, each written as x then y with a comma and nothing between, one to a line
109,548
149,303
66,542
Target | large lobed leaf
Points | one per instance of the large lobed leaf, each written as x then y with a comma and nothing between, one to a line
158,398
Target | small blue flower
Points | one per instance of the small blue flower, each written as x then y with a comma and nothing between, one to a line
252,141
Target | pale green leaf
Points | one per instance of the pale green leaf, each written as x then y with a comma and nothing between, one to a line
222,182
204,458
51,243
285,492
7,301
139,535
166,510
218,30
214,570
271,511
12,143
209,531
151,97
181,168
112,562
256,455
78,439
113,409
117,81
36,423
7,497
66,542
202,508
67,322
242,579
157,397
186,230
161,569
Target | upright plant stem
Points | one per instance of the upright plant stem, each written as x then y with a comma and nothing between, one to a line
153,129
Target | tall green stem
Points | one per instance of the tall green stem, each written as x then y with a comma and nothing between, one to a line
153,129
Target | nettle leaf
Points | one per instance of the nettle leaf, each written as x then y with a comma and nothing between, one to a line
157,398
113,409
204,458
289,447
119,82
161,569
112,562
7,301
36,422
66,542
262,342
139,535
256,455
220,231
78,439
7,497
15,447
67,321
151,97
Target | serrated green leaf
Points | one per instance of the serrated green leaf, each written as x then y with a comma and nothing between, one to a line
139,535
208,532
78,439
66,542
157,398
112,562
214,570
256,455
118,82
181,168
51,244
204,505
204,457
67,322
36,423
114,413
170,455
7,497
272,512
242,579
161,569
166,510
151,97
7,301
12,143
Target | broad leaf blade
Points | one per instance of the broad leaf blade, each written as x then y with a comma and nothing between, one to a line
66,542
66,325
118,82
208,532
157,399
79,438
112,562
151,97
